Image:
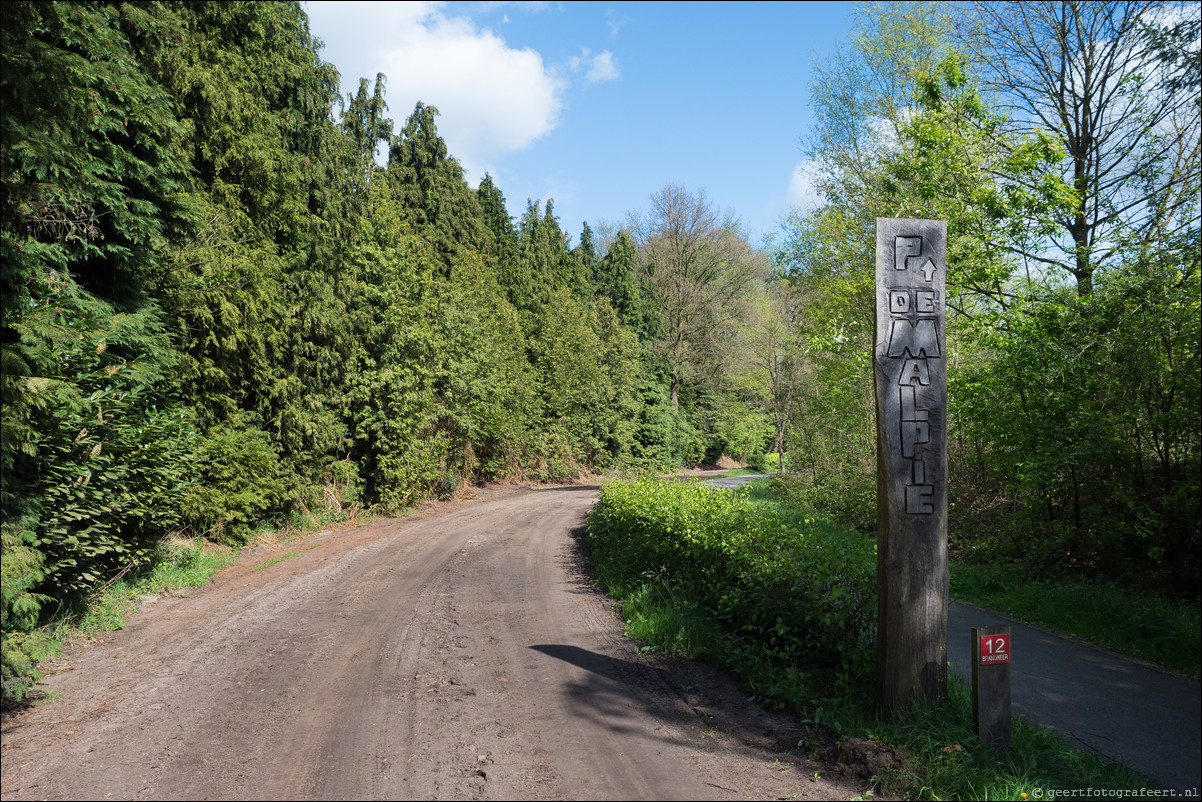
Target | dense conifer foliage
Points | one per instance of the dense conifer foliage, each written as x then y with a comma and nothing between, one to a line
218,308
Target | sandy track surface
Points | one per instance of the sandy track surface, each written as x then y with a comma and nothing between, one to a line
463,652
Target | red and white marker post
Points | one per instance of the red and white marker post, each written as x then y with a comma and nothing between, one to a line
991,685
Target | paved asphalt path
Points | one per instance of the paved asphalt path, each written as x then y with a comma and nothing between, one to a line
1121,709
732,482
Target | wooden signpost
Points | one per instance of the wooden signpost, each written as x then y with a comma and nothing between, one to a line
910,376
991,685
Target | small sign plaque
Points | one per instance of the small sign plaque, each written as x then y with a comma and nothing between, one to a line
995,649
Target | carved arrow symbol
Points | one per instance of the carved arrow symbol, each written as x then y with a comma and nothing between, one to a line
928,269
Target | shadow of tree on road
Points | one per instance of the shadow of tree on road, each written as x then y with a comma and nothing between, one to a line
700,704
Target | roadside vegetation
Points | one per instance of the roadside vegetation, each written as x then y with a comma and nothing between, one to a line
1118,611
219,312
175,565
1163,631
787,601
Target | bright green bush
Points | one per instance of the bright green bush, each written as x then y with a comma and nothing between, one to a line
21,569
795,590
846,497
240,483
96,451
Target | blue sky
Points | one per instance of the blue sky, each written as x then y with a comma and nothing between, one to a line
599,105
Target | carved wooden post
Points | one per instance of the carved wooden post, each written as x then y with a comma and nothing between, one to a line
910,379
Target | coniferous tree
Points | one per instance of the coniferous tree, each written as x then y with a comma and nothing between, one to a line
364,122
615,278
258,296
584,264
511,271
94,444
428,182
542,247
183,217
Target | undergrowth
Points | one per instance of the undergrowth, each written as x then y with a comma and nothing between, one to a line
35,626
952,763
1132,619
776,594
688,564
182,564
178,564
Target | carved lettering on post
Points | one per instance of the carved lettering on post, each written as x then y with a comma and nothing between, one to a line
910,374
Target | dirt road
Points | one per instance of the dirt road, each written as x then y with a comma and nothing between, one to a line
459,653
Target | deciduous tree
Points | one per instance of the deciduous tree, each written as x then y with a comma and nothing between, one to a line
1088,74
698,265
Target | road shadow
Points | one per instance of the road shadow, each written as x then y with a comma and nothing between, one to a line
703,707
696,698
599,664
577,563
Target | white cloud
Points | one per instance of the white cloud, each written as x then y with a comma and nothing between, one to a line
603,69
615,24
600,68
802,193
492,99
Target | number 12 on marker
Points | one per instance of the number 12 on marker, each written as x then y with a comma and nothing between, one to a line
995,649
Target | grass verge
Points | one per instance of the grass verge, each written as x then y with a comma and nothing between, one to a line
182,564
947,759
179,563
951,763
281,558
1160,631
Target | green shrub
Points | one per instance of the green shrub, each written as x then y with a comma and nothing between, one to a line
785,590
21,647
114,469
239,485
848,498
741,431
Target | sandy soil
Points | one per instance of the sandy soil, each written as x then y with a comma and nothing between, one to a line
462,652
